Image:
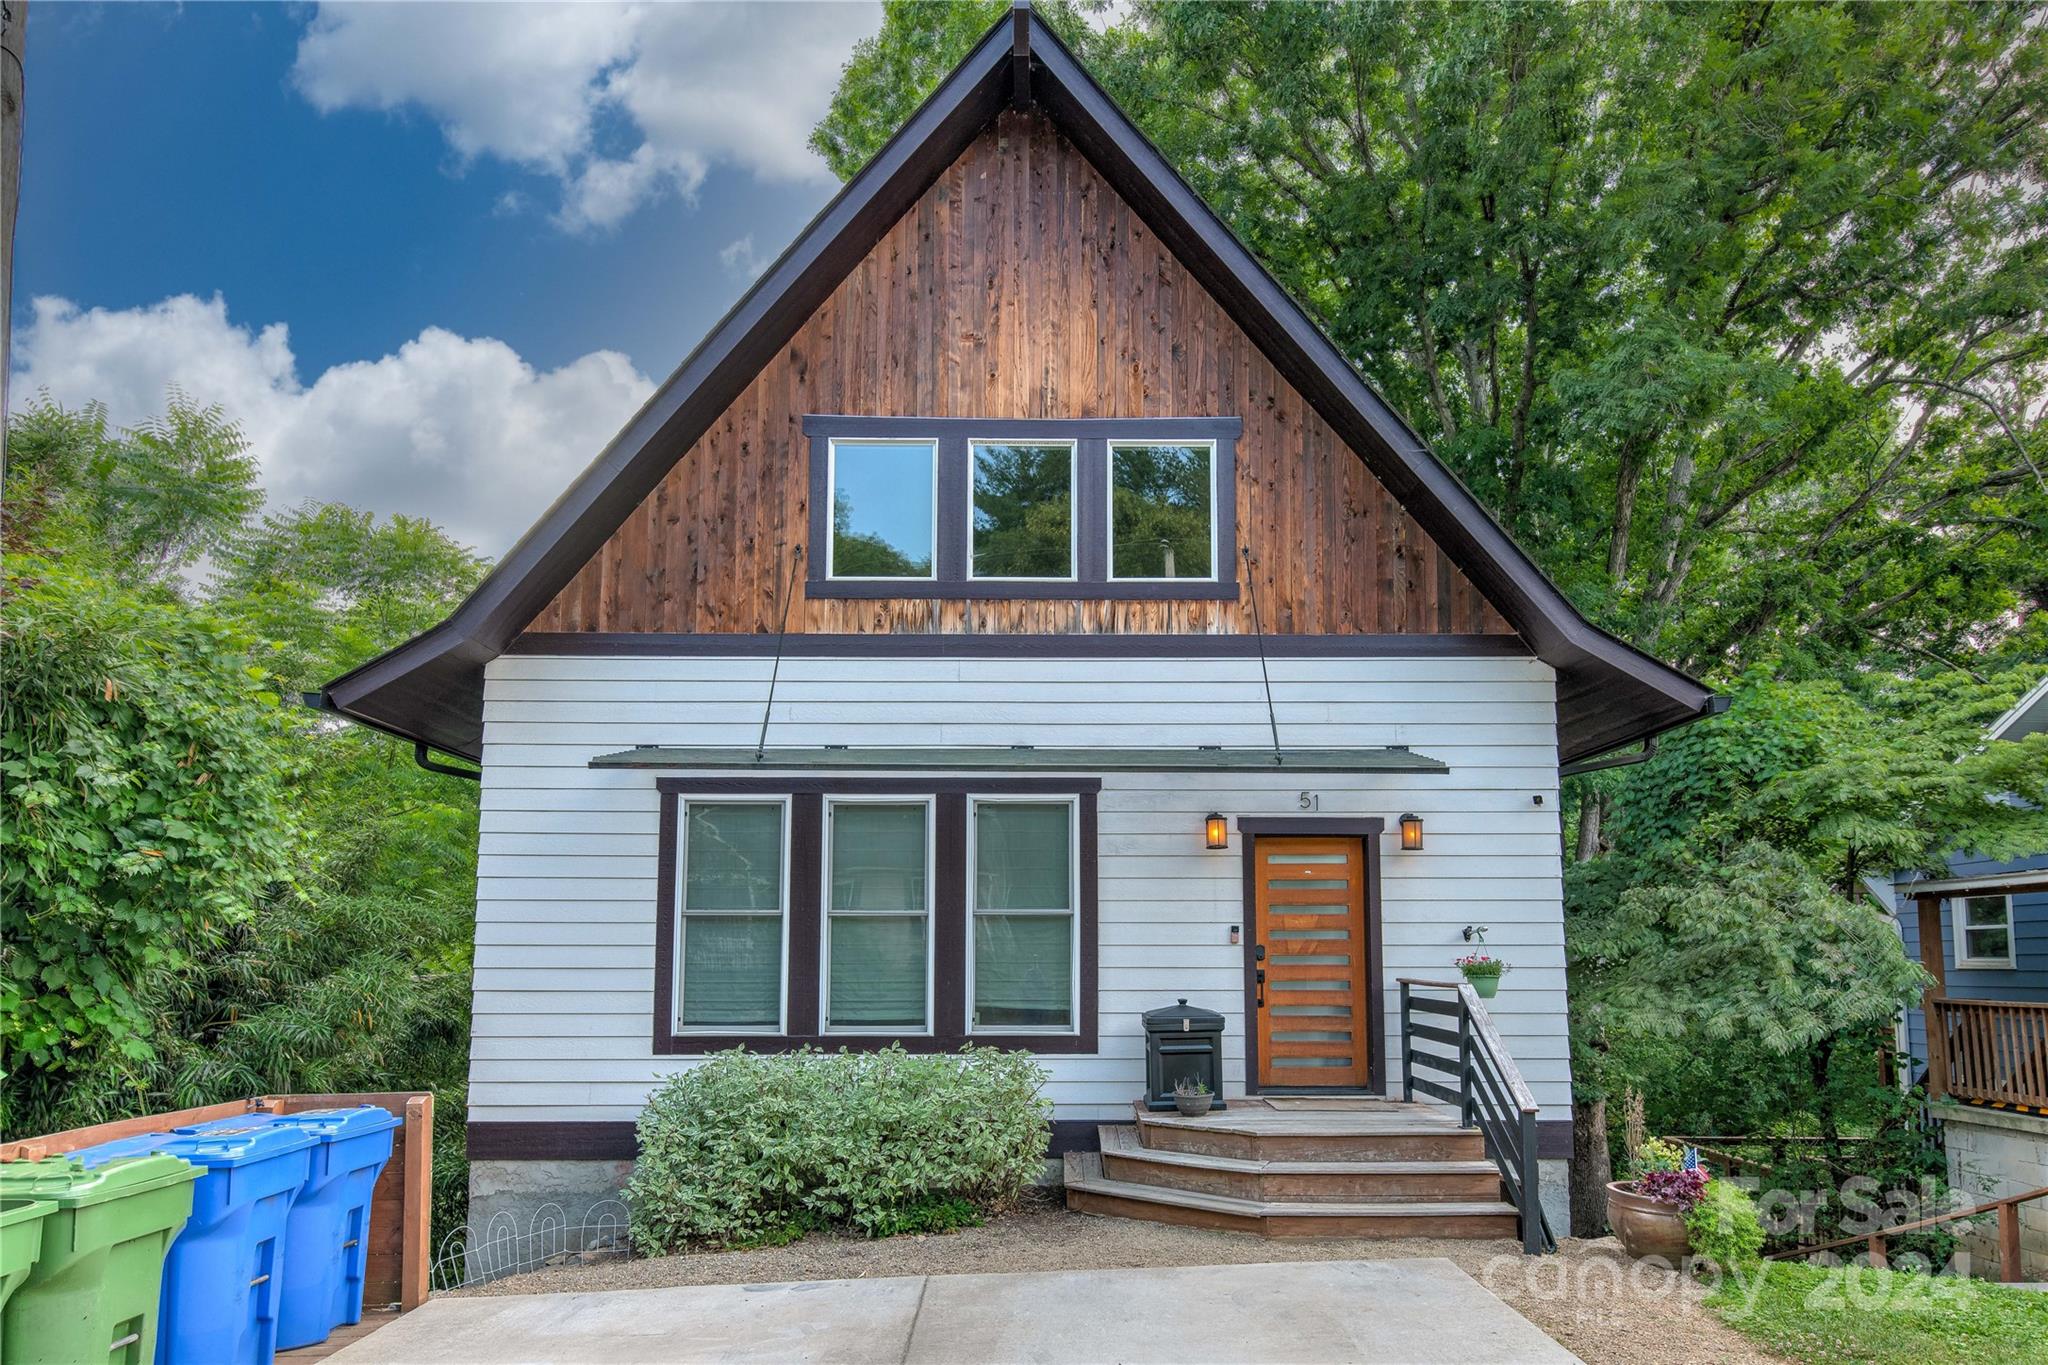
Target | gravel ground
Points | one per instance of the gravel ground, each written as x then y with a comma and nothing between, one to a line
1590,1297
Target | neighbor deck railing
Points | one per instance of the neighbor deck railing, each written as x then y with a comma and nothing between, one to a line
1491,1094
1990,1051
1876,1245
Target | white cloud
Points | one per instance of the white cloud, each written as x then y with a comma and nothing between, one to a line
740,259
621,103
457,429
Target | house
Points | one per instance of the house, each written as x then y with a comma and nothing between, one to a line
1980,928
885,679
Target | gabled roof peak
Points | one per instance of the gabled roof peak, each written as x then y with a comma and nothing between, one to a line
431,688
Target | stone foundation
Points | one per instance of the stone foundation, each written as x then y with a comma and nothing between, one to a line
2009,1152
509,1207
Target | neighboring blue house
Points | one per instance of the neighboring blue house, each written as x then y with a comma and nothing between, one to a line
1980,927
1994,943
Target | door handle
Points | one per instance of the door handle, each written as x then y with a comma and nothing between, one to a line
1259,978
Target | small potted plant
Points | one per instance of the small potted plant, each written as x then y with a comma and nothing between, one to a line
1481,969
1648,1212
1191,1096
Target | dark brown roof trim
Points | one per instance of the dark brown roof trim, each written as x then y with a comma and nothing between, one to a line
978,646
431,688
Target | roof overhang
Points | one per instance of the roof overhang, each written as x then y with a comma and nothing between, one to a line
2029,715
1022,758
431,688
1991,884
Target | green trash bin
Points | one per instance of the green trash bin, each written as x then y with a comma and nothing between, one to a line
21,1240
92,1293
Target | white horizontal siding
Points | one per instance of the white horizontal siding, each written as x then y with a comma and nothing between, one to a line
566,884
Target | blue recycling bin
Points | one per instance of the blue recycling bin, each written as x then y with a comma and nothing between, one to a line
327,1238
221,1278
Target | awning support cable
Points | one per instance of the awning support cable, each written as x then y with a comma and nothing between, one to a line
1259,634
781,634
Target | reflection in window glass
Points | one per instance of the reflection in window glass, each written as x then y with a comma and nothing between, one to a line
1161,512
730,935
1023,511
1987,929
882,495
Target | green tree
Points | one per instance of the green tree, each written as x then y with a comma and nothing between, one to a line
149,500
145,812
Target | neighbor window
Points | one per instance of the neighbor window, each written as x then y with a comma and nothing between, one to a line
878,916
882,499
1023,523
1024,892
730,916
1162,511
1984,931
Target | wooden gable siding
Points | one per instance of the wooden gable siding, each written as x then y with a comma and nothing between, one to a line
1019,286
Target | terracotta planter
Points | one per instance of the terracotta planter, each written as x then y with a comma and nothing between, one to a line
1648,1228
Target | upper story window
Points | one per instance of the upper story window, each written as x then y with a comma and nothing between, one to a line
1984,931
1069,508
883,497
1162,510
1023,521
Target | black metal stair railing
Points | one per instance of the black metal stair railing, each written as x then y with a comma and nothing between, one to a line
1489,1090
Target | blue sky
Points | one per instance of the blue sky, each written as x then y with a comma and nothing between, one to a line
431,256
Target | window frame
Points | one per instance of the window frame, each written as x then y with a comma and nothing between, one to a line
953,577
929,804
1072,912
831,481
804,961
1073,574
681,914
1109,497
1959,919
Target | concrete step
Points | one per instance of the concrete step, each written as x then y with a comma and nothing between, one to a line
1387,1131
1089,1190
1340,1182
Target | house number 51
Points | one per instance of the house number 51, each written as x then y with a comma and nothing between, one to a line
1311,800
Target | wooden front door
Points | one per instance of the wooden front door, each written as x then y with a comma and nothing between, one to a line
1310,942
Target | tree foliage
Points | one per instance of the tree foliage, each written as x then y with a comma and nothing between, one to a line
145,809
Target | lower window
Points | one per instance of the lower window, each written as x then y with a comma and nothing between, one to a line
878,916
1025,889
729,931
1984,931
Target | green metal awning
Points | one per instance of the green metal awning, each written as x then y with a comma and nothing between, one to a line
1025,758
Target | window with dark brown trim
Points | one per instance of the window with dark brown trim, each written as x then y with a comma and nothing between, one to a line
1017,896
1061,508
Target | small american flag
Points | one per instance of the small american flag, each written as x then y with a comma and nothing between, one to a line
1692,1158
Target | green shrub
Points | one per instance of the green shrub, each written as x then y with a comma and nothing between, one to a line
755,1149
1723,1226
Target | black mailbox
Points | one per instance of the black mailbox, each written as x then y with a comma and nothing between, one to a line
1182,1041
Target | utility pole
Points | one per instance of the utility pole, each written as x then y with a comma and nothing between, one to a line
13,39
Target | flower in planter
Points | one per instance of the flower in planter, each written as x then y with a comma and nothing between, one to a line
1479,964
1683,1188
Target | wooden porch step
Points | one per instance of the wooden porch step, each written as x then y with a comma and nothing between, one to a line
1386,1131
1089,1190
1355,1182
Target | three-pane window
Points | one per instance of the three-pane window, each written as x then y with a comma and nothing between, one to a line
1984,931
1050,509
1023,891
883,499
878,916
732,906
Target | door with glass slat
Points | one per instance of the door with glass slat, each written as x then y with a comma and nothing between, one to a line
1309,946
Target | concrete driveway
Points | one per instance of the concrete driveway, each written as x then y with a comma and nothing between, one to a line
1413,1312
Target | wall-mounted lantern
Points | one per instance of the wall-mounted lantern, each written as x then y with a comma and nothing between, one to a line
1411,833
1219,831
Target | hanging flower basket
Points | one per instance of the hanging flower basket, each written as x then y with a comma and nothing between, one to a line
1482,971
